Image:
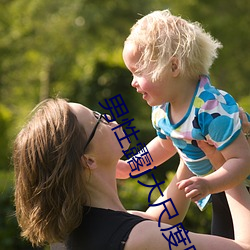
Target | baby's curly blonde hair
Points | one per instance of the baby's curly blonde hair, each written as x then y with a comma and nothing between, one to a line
161,36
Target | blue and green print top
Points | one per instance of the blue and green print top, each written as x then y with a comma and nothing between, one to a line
213,115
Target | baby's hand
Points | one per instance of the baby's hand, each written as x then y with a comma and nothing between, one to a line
194,187
122,170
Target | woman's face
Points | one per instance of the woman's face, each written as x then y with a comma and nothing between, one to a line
104,142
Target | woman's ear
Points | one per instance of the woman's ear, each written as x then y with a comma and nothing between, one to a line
90,161
175,66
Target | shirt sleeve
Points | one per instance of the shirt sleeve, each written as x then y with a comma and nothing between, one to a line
219,120
159,121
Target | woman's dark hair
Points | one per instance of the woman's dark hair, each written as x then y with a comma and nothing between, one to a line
49,179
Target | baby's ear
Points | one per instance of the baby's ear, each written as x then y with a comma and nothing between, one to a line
175,66
89,161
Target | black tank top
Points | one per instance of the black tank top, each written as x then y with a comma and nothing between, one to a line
102,229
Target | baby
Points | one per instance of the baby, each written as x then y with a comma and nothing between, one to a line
170,59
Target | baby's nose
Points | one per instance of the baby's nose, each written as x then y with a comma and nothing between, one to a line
134,83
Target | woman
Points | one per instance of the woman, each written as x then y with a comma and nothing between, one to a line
65,187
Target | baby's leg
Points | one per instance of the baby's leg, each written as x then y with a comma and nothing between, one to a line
178,197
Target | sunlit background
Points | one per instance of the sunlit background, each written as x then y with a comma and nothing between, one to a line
72,48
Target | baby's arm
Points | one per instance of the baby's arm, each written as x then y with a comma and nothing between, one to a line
234,171
160,151
178,197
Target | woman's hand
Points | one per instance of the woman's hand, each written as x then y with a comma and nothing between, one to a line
215,157
245,124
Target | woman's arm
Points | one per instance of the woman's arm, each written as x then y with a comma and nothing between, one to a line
148,234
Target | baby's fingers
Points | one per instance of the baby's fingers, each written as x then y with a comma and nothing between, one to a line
184,183
194,195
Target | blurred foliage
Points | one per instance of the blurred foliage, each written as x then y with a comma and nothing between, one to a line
5,124
72,48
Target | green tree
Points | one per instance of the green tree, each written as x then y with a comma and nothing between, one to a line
73,48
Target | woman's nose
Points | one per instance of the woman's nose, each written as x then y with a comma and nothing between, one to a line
111,120
109,117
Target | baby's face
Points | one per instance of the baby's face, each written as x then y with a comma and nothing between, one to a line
152,92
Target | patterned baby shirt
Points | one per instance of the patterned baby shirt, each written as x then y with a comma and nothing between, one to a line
213,115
